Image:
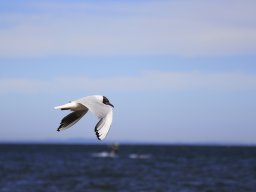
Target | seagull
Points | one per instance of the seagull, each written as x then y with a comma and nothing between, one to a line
97,104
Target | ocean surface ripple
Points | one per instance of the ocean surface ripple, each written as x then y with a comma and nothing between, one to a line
32,168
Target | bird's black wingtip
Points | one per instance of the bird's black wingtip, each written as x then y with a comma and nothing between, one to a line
98,135
61,125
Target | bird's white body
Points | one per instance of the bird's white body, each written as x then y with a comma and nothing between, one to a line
97,104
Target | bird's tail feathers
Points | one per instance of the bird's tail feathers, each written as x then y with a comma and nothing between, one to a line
67,106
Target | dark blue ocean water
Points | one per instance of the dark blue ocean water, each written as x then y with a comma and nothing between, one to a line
71,168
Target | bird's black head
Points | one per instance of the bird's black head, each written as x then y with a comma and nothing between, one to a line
106,101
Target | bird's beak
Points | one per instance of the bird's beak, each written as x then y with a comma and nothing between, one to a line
110,104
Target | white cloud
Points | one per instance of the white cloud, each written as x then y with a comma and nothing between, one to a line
176,27
148,81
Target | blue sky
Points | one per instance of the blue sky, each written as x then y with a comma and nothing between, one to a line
176,71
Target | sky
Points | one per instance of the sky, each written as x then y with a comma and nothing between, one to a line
177,71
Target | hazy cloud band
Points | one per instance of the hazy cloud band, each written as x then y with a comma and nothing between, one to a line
148,81
186,28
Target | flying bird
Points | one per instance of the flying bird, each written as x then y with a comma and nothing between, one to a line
97,104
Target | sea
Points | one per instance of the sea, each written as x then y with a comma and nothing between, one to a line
133,168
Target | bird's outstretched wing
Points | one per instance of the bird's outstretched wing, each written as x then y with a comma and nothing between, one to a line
71,119
103,126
